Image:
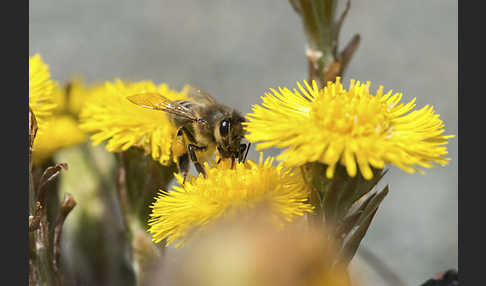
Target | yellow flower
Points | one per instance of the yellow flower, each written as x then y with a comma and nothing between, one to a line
71,97
352,127
112,117
40,90
61,131
227,193
61,128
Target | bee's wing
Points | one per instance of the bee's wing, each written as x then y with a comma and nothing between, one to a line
199,95
156,101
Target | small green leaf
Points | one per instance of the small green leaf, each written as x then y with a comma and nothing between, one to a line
352,220
351,246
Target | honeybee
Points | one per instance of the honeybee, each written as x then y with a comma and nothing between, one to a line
205,123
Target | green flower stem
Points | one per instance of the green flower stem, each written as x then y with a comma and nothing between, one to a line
317,17
41,271
344,204
322,29
32,134
140,179
143,178
44,259
136,180
106,247
44,249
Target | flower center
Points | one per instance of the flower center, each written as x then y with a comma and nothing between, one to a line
356,115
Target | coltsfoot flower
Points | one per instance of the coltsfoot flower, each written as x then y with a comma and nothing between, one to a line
226,193
61,131
111,117
41,89
352,127
61,128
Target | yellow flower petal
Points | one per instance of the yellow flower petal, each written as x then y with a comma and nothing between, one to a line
41,89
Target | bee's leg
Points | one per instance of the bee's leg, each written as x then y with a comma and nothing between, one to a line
180,152
192,148
220,150
247,149
241,152
183,165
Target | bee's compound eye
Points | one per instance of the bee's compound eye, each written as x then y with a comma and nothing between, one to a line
224,127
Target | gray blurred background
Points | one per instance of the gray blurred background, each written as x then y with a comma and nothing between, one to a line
237,50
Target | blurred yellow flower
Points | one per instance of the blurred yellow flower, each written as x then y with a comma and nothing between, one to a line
352,127
61,128
71,97
61,131
239,253
41,89
111,117
227,193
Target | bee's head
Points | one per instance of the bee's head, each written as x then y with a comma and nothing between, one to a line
228,133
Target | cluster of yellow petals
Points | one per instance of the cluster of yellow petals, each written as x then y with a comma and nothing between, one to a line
71,97
62,132
41,89
352,127
61,128
187,209
111,117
